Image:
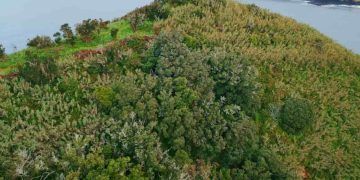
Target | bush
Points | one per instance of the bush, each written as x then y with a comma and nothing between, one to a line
2,51
114,33
236,80
104,96
86,29
153,12
136,20
296,115
67,33
40,42
70,87
97,67
175,2
39,71
57,37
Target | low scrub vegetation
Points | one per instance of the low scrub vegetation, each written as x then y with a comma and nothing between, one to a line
87,29
40,42
38,71
136,20
220,90
114,32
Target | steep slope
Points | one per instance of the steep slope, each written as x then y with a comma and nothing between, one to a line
217,90
293,60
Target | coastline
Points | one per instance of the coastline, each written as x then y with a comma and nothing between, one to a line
347,3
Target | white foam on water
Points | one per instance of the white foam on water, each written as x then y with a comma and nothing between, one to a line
341,6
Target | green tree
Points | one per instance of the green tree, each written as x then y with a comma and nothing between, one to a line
68,33
114,32
2,51
57,37
236,80
296,115
86,29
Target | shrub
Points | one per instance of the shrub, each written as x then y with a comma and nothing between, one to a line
236,80
86,29
97,67
136,20
296,115
39,71
153,11
67,33
57,37
104,96
114,33
176,2
40,42
70,87
2,51
103,24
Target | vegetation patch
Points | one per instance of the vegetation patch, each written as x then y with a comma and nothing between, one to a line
199,89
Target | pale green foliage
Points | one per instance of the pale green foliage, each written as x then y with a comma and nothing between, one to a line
136,20
104,96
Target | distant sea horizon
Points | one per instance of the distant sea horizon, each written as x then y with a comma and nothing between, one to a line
21,20
338,22
349,3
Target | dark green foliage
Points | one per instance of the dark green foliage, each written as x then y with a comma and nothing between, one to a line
57,37
40,42
114,33
86,29
236,80
153,11
68,34
39,71
176,2
97,67
2,51
296,115
94,167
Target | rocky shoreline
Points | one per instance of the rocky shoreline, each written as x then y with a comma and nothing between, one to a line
335,2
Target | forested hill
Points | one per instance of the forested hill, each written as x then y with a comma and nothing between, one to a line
194,89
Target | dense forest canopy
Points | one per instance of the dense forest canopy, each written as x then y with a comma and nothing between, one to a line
181,89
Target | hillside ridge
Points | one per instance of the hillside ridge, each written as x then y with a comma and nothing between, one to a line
194,89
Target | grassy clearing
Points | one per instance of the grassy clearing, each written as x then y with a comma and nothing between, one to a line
65,50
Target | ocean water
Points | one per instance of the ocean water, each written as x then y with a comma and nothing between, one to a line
24,19
341,23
